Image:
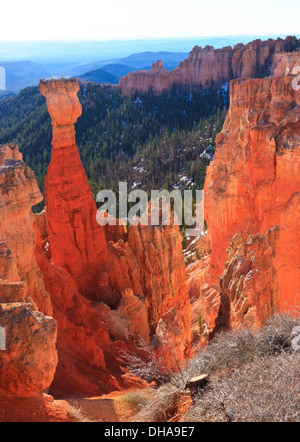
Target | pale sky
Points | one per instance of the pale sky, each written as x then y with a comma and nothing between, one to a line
101,20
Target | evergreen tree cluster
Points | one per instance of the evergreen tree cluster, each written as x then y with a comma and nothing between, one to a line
152,142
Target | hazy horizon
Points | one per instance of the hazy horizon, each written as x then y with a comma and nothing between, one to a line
179,38
90,51
96,20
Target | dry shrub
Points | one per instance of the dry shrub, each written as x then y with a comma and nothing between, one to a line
150,367
237,347
254,376
137,398
162,402
266,390
78,415
162,405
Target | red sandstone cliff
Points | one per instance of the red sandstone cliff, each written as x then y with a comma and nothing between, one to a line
28,363
254,180
18,193
254,183
207,67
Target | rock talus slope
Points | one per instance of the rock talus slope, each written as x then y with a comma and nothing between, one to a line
249,285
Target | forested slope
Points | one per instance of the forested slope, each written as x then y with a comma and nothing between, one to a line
149,141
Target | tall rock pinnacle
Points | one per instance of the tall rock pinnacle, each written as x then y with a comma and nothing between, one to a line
77,242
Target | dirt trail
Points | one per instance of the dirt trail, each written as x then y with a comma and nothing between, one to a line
110,408
114,407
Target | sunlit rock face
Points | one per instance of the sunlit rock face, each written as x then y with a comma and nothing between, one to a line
254,181
28,364
18,193
29,358
252,185
141,279
207,66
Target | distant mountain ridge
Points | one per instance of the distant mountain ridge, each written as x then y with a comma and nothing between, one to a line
90,51
21,74
100,76
134,61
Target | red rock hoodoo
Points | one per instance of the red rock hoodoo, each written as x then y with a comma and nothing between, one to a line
77,243
207,67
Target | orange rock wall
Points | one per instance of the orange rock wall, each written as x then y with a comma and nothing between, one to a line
254,181
18,193
28,363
